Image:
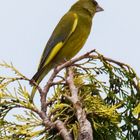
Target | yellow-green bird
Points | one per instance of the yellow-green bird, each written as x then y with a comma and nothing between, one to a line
68,37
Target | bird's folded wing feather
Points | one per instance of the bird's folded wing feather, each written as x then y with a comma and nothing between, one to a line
61,33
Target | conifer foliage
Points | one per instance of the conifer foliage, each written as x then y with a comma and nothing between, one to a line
88,97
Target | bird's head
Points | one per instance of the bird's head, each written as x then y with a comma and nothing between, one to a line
89,6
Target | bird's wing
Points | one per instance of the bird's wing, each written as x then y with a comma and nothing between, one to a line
61,33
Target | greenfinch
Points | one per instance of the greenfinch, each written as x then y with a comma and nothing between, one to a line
68,37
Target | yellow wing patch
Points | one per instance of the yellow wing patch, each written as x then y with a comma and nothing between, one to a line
54,52
75,23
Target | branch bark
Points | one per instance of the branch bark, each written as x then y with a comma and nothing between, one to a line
62,130
85,132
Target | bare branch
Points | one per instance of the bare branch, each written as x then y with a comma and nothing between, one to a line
85,132
62,130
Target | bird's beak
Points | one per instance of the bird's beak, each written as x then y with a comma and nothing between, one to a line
99,9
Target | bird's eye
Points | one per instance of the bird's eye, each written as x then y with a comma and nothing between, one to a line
94,2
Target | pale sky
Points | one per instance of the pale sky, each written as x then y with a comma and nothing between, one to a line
26,25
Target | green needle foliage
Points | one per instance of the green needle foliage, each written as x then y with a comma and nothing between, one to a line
108,90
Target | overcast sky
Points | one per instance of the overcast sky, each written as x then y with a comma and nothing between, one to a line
26,25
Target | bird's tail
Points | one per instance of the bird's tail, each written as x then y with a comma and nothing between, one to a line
38,77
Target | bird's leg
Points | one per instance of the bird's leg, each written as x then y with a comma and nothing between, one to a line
65,60
55,68
32,82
